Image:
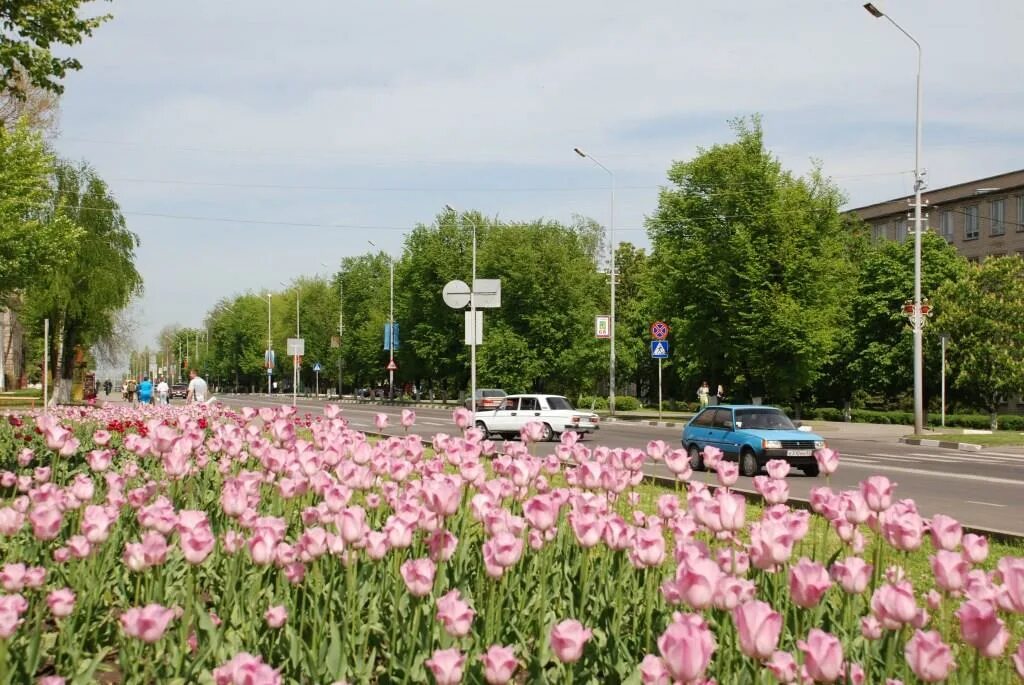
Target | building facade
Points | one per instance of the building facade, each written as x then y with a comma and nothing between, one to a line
981,218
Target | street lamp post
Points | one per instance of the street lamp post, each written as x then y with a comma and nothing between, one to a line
611,259
944,338
391,326
270,347
918,317
341,327
472,318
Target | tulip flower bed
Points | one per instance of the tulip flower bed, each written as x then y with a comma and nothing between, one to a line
201,545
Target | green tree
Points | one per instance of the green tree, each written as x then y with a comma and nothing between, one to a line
983,314
31,29
82,300
33,241
755,266
635,313
882,340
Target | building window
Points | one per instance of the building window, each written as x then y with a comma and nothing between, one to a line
878,232
901,230
1020,213
946,225
997,215
971,222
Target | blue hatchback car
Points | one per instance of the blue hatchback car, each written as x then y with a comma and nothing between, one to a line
753,435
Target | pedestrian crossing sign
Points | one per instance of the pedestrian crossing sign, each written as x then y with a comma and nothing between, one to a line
659,349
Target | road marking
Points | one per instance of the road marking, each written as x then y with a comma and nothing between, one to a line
846,459
938,474
986,504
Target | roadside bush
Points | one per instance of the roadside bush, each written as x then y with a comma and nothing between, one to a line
591,402
626,403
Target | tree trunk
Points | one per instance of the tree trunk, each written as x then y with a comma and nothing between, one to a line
65,370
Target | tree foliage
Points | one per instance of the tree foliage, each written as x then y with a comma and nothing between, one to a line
983,313
31,29
33,240
84,297
754,264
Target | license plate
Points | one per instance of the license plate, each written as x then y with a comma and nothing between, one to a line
799,453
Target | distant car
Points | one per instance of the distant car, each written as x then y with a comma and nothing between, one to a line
487,398
553,411
753,435
179,391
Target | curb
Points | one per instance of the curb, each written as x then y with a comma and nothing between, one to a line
645,422
944,444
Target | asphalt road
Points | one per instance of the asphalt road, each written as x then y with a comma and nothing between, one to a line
982,489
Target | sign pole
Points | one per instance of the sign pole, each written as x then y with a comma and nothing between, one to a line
46,362
318,385
659,390
944,338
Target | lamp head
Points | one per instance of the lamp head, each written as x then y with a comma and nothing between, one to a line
451,209
580,152
875,12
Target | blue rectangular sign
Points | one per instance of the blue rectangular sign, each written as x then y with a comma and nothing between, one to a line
659,349
388,337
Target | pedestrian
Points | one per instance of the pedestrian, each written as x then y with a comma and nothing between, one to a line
703,393
720,394
145,391
163,392
107,385
131,391
197,389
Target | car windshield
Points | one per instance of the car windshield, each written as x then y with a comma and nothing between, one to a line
763,419
557,403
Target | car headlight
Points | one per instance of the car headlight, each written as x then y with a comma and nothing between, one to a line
772,444
820,444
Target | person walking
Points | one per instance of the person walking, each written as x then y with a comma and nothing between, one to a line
720,394
107,385
146,391
703,393
163,392
197,390
131,391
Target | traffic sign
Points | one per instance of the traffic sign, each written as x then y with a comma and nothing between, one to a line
659,330
392,366
602,326
659,349
296,347
455,294
317,368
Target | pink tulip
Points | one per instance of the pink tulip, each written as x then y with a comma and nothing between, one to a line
782,666
686,647
146,623
276,616
51,680
1011,595
61,602
758,627
946,532
777,468
12,577
446,665
678,462
1018,659
929,657
982,629
463,418
653,671
568,639
245,669
500,664
11,521
823,656
380,421
532,432
975,548
541,512
408,418
696,580
894,604
902,527
712,457
454,614
808,582
728,472
418,575
950,570
852,574
46,521
827,459
877,491
870,628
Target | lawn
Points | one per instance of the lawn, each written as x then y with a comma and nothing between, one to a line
997,439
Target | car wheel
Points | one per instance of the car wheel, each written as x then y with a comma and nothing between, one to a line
696,458
483,427
748,463
548,434
811,470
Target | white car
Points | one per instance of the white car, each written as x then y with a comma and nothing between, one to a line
554,412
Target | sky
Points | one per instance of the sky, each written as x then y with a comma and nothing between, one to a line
250,142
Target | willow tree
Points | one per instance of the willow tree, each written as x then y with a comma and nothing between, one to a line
84,298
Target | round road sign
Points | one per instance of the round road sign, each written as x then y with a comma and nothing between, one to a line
455,294
659,330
